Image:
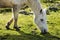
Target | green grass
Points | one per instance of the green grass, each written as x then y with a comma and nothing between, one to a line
27,25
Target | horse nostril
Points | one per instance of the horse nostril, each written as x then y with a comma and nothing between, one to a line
41,19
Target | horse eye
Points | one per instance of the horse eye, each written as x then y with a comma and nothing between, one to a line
41,19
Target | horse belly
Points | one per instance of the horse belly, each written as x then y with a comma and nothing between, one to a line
6,3
11,3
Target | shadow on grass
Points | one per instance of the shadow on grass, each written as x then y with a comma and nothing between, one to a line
25,36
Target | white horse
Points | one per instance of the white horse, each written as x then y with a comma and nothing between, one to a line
35,5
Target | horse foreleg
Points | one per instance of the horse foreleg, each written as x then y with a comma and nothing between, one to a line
15,16
8,24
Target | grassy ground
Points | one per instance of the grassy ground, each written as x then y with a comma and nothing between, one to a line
27,25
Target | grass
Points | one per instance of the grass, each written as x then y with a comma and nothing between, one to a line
27,25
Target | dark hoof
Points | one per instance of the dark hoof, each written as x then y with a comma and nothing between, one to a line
7,27
17,28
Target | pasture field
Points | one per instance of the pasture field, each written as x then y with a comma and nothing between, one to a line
27,30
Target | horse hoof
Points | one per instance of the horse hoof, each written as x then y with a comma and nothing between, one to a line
7,27
17,28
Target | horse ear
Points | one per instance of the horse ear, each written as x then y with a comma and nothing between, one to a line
40,10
